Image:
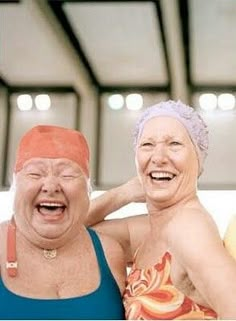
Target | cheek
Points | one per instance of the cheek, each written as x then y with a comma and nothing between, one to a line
190,163
140,161
78,192
25,192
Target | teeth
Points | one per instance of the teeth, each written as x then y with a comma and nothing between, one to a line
159,175
51,204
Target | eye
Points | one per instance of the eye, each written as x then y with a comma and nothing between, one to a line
67,176
146,144
34,175
175,143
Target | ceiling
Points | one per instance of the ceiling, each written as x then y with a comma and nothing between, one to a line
179,47
165,48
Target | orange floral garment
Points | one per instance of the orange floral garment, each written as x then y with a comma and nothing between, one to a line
150,295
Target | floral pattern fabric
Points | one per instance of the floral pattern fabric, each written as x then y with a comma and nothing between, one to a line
150,295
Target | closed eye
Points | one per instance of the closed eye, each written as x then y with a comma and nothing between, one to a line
68,176
175,143
146,144
34,175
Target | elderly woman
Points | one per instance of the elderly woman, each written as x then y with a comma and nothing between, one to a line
181,269
52,267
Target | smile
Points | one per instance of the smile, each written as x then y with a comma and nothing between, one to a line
50,208
162,176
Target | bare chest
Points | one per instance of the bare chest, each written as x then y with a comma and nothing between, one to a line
59,277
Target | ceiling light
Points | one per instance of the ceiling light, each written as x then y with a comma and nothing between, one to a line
134,101
226,101
208,102
116,101
42,102
24,102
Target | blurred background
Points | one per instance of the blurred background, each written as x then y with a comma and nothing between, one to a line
96,65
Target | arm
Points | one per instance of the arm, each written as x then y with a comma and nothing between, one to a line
114,199
230,237
207,263
129,231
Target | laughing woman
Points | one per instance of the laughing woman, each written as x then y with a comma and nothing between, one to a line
52,267
181,269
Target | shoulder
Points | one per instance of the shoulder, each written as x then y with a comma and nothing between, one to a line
109,244
129,232
115,257
230,237
139,227
193,231
3,228
112,249
191,220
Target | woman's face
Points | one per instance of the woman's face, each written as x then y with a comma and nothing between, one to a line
166,161
51,198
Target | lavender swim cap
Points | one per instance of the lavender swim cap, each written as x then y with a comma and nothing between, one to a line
190,119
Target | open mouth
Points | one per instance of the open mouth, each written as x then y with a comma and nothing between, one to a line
50,208
162,176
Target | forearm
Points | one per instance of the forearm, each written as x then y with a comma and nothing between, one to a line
107,203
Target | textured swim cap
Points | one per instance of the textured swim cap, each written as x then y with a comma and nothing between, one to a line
53,142
190,119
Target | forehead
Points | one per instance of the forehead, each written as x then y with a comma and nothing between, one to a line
164,126
42,162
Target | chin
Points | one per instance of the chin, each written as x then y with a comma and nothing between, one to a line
161,196
50,232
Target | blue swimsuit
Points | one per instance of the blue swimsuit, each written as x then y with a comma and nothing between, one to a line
104,303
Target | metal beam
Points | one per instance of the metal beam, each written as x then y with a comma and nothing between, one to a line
159,16
57,8
185,29
144,89
41,88
175,49
3,82
213,88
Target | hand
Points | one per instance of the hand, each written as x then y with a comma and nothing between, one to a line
134,189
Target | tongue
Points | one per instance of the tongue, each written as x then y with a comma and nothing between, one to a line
53,211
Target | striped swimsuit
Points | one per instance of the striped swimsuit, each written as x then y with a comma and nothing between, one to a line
151,295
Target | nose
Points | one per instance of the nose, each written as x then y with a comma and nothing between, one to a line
51,184
159,155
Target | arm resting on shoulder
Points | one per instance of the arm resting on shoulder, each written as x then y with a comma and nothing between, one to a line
129,231
114,199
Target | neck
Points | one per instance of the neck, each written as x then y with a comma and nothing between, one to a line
160,213
60,244
29,235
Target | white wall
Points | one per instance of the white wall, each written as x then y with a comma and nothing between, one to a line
220,170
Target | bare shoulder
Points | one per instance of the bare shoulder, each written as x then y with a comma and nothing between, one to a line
139,227
115,257
129,231
3,227
190,220
193,230
110,245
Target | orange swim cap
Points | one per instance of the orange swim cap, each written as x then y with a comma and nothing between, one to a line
53,142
